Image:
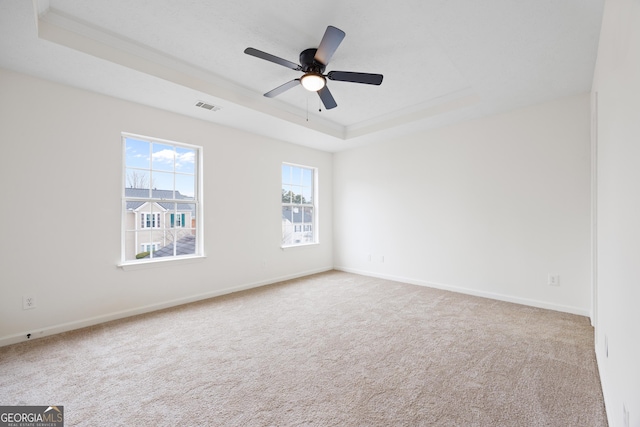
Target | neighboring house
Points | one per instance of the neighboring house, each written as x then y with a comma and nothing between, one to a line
154,225
297,225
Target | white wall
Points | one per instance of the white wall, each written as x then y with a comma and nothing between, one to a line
61,176
489,207
617,89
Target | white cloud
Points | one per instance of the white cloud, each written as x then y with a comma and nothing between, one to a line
164,156
185,158
182,160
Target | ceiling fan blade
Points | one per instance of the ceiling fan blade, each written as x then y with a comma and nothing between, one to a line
348,76
330,42
277,91
267,56
327,98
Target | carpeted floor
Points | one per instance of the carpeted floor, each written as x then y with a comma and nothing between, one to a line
332,349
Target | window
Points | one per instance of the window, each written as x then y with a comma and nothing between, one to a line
177,220
298,205
148,247
149,220
161,203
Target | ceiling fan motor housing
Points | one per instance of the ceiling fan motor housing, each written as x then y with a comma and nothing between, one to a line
308,62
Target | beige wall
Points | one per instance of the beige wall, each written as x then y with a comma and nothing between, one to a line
61,149
616,112
489,207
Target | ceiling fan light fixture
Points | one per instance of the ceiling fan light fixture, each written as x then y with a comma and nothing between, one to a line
313,82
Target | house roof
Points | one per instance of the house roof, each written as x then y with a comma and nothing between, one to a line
297,216
158,194
186,245
155,193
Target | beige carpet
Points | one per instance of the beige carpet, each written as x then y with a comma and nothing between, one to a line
333,349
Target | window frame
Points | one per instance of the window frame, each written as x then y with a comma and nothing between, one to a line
314,205
197,201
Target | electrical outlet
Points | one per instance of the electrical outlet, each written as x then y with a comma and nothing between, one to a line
28,302
553,280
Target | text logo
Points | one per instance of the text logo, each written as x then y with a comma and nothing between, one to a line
31,416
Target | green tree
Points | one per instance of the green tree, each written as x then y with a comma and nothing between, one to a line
291,197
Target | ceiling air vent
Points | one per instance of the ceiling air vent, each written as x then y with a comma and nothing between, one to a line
206,106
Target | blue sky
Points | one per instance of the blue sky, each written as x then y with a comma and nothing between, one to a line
165,167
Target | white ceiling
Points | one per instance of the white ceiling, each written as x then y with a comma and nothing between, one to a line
443,60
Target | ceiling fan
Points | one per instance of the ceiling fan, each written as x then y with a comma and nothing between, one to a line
314,61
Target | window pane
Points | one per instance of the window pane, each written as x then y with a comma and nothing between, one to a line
186,185
185,242
287,225
308,236
307,177
137,243
287,213
138,178
163,157
286,174
186,216
163,181
137,154
286,194
185,160
308,215
296,175
291,194
177,242
307,195
293,225
296,197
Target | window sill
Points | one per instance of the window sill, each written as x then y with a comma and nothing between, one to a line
139,265
302,245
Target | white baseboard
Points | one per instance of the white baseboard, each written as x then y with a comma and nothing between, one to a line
65,327
70,326
604,382
491,295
